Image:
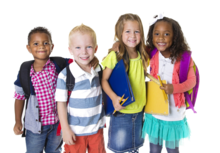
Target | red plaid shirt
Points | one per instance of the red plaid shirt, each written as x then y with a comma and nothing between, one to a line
44,83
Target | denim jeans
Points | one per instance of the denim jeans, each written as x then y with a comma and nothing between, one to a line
47,140
125,132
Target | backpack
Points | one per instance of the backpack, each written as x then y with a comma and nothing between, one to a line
25,78
70,83
190,95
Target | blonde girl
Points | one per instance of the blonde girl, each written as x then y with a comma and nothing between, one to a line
125,127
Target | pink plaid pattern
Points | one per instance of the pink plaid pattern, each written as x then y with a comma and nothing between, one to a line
18,96
44,83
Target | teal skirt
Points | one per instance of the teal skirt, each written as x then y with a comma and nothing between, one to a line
170,132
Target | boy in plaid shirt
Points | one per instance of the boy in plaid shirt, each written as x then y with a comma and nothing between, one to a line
41,118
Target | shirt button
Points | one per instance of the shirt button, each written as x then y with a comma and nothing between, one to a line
39,131
164,65
37,106
36,120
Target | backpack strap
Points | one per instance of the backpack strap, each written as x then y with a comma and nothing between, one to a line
24,75
100,74
153,52
61,62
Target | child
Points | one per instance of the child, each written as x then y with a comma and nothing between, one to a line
166,35
42,110
41,118
83,126
125,128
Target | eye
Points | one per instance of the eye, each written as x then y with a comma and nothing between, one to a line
156,34
46,43
166,34
35,44
127,31
89,47
137,31
77,47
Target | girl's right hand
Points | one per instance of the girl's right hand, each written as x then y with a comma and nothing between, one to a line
18,128
116,103
69,137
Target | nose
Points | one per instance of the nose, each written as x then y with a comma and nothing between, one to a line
41,45
161,37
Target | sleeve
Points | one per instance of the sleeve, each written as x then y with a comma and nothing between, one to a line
189,83
110,61
61,94
19,92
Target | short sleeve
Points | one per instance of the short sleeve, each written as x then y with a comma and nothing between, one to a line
110,61
61,90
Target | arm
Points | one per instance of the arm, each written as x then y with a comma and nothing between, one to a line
19,106
182,87
189,83
106,87
68,135
94,63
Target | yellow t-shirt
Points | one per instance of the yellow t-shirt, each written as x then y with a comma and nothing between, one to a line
137,81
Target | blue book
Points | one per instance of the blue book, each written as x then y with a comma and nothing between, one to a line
120,84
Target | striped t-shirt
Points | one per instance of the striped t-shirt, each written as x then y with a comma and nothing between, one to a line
85,111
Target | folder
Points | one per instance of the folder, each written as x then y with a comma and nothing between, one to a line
120,84
156,102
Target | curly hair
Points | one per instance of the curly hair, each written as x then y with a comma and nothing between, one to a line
179,44
119,27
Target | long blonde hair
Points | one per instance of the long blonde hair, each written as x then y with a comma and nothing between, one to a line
119,27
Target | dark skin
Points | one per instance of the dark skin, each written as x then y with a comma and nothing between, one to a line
40,46
168,88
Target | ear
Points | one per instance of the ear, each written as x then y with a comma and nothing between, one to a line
52,47
70,50
96,48
28,48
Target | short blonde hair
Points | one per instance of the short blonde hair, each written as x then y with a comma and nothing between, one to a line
84,30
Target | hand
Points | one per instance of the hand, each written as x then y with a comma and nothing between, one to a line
69,137
115,46
94,62
18,128
168,88
116,103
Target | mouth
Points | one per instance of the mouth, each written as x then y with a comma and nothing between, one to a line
132,41
84,58
161,44
41,52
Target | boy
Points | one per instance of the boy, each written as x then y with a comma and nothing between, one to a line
83,128
41,117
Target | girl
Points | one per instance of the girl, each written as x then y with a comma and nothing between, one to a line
166,35
125,127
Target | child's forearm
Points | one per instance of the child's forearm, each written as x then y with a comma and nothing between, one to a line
19,106
62,113
106,87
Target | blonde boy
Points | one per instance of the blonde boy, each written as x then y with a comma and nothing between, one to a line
82,121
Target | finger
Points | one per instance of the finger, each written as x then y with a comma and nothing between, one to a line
74,137
162,88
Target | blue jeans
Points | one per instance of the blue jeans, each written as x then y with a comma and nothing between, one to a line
125,132
47,140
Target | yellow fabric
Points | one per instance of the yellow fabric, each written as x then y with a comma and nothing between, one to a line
137,81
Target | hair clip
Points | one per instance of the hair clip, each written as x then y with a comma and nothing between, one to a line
156,17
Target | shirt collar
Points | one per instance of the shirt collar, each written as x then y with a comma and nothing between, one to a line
93,72
48,63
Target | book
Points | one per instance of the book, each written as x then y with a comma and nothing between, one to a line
156,103
120,84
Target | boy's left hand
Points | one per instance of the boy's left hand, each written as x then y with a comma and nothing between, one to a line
94,62
168,88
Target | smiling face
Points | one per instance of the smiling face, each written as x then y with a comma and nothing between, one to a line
82,48
163,36
40,46
131,34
